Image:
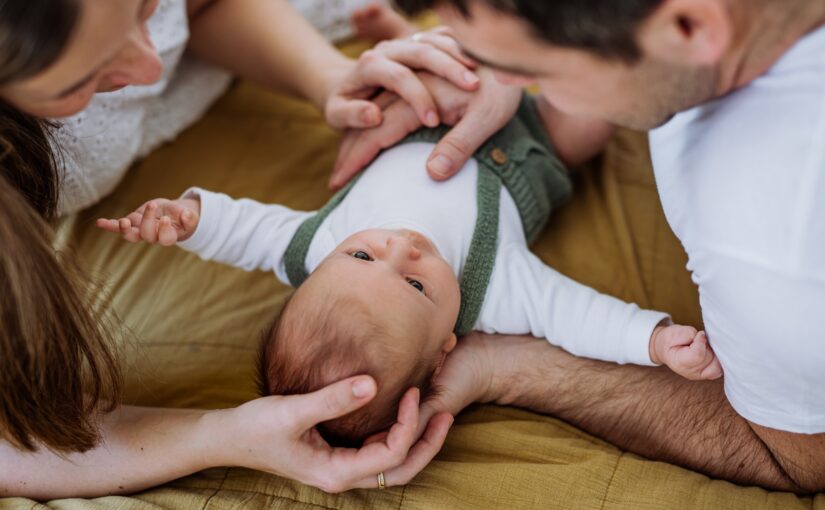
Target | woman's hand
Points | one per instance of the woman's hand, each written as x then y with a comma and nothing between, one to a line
277,434
390,66
476,116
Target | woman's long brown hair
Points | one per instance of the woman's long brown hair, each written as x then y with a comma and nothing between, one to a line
58,369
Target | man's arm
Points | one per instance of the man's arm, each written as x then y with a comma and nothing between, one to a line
657,414
648,411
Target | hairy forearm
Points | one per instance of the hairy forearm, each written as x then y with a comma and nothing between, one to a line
267,42
141,447
648,411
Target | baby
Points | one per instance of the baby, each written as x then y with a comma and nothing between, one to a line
396,266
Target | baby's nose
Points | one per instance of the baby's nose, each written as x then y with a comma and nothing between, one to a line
402,247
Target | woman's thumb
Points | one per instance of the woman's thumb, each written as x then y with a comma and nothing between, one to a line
336,400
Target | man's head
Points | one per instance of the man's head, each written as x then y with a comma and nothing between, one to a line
384,303
632,62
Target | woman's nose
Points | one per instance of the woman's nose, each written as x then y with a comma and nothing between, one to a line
138,63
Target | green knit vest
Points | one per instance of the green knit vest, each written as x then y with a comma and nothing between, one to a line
519,157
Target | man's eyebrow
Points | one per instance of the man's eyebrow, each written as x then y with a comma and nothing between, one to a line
498,67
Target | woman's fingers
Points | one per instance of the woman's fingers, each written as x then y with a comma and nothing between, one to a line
359,148
331,402
419,455
425,53
446,43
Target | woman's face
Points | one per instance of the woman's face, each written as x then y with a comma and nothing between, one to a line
109,49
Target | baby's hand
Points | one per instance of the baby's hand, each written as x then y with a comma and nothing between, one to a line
160,221
685,351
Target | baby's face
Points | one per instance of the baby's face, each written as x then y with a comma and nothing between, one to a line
401,274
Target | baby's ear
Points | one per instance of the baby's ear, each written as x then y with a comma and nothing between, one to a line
449,344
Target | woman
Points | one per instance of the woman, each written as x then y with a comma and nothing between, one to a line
62,432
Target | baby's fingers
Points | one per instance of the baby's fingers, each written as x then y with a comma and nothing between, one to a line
108,225
128,231
167,235
149,225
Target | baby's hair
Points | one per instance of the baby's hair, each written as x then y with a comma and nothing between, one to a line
306,349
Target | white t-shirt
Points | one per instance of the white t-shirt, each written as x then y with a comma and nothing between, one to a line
742,182
524,296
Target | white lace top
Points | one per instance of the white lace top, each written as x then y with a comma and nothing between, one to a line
100,143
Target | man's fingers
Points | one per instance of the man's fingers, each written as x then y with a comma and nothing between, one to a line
333,401
457,147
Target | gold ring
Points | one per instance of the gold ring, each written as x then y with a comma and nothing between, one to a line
381,483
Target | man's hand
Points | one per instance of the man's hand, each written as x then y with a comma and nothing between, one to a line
278,435
466,377
476,117
685,351
159,221
390,66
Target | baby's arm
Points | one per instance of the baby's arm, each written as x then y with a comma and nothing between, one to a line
526,296
242,233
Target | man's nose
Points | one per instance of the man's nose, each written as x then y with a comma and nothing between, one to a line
138,63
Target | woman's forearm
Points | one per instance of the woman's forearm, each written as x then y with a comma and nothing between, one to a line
268,42
141,447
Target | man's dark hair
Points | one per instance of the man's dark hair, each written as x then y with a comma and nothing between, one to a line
605,27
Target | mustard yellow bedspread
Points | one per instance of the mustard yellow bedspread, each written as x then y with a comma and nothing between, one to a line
194,327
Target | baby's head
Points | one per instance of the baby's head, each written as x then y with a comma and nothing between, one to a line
384,303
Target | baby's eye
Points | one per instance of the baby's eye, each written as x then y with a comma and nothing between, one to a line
362,255
417,285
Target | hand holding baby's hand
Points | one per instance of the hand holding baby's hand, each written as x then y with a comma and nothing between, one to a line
158,221
685,351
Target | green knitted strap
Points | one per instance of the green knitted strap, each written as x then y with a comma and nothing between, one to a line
296,253
475,277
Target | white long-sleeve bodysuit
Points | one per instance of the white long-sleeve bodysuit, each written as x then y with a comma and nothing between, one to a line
524,296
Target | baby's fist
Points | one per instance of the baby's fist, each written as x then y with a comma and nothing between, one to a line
685,351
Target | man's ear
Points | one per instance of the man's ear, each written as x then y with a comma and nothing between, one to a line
688,32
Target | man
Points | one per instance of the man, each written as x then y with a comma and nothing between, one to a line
734,92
